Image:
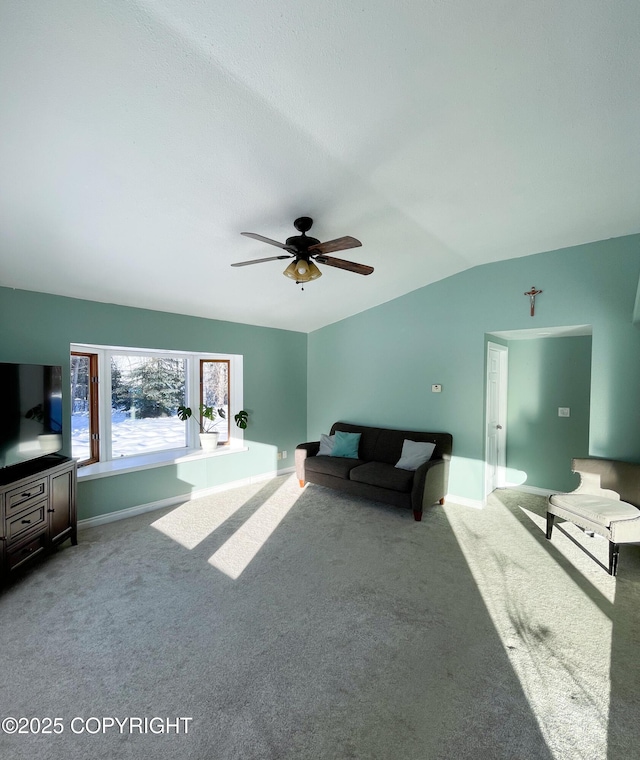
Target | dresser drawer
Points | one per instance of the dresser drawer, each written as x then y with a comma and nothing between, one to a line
19,498
25,550
27,521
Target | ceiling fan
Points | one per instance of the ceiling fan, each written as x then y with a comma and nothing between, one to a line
305,251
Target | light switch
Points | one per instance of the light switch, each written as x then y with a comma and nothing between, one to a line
436,389
564,411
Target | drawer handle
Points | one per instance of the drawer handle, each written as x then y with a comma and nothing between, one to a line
26,522
26,495
51,510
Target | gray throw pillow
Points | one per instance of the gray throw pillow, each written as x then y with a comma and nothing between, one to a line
326,445
414,453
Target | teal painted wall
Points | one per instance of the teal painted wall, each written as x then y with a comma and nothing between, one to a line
545,374
377,367
38,328
374,368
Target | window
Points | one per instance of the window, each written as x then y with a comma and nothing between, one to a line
125,400
214,391
146,392
84,406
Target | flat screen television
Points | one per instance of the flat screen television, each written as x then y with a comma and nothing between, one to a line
30,412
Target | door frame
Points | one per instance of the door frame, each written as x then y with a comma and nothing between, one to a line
500,479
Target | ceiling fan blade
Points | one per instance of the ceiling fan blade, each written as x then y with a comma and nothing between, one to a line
259,261
339,244
267,240
350,266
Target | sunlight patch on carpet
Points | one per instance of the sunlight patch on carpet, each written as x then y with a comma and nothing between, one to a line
190,523
552,630
596,546
235,555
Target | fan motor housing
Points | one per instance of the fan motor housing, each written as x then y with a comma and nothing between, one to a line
301,242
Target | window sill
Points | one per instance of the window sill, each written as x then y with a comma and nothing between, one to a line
150,461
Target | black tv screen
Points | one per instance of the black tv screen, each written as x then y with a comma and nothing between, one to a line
30,412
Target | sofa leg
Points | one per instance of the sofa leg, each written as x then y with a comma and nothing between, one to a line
417,515
441,501
550,518
301,483
614,550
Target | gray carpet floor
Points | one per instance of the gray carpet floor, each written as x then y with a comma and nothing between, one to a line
304,624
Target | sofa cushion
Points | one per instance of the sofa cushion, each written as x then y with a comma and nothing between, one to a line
390,443
346,445
368,438
383,475
385,445
326,445
339,467
414,453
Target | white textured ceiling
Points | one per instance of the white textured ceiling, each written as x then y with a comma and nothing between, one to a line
139,138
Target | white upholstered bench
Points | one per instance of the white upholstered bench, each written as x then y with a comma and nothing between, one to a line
597,504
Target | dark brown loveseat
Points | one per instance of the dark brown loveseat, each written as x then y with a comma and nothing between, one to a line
373,474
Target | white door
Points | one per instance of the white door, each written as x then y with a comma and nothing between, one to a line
497,358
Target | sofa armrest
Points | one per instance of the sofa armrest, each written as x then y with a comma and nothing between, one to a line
304,450
429,484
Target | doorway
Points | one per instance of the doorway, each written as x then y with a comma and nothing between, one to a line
538,386
496,416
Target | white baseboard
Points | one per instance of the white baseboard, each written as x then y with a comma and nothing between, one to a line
478,504
122,514
464,501
531,489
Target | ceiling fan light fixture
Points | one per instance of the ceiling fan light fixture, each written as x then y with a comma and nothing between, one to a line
302,271
314,272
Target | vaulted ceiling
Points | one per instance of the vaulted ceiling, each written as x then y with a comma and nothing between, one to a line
140,137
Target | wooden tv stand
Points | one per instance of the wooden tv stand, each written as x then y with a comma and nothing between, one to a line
37,511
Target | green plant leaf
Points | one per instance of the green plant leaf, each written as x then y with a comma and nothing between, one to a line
241,419
184,412
208,411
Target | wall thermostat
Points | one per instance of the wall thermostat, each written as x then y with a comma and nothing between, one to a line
436,389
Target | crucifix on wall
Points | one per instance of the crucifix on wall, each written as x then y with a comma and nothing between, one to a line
532,298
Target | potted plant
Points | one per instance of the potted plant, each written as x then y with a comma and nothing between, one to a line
207,422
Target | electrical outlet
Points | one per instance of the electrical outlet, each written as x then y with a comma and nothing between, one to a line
564,411
284,454
279,455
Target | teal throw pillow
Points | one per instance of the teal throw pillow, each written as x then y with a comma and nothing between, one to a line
346,445
414,453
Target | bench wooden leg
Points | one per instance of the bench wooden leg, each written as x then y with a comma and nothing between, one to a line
550,518
417,516
301,483
614,550
442,500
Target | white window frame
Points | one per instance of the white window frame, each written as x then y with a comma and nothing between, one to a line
192,392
